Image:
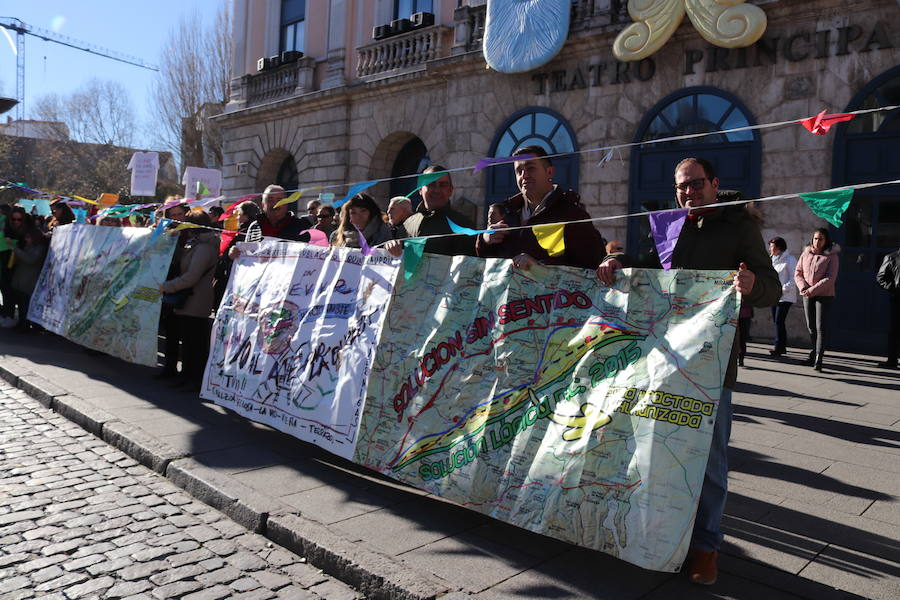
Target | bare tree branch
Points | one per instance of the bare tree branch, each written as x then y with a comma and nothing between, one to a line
192,86
99,112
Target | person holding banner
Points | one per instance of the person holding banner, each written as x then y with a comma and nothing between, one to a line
29,253
62,215
434,215
245,212
360,219
191,296
540,201
724,237
276,221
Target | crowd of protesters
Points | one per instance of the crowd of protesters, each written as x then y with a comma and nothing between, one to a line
711,238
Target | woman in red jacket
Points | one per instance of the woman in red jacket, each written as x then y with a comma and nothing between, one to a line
816,275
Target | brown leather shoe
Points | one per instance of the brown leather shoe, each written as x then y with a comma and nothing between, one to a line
703,569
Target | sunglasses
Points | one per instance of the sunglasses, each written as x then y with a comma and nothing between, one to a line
324,216
15,220
694,185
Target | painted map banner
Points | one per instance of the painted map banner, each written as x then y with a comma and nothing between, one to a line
548,401
100,288
295,337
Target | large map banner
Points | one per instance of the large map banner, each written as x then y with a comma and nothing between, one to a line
549,401
100,288
295,337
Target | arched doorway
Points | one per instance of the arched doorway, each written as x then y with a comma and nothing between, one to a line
412,158
534,126
287,174
280,168
736,156
867,149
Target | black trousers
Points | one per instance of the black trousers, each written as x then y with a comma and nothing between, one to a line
193,333
779,316
817,310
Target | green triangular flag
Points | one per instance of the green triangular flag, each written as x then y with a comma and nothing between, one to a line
829,205
426,179
202,190
413,249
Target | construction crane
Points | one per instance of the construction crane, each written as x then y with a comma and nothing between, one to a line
23,29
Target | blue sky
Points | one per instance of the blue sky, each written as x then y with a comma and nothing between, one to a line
135,28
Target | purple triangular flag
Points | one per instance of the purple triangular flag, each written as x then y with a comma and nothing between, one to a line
363,244
666,227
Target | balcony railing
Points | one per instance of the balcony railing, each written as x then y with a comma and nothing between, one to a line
402,52
287,80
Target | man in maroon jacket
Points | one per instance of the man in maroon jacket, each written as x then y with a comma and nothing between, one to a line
539,202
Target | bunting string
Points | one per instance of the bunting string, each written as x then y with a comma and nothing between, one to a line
548,228
818,124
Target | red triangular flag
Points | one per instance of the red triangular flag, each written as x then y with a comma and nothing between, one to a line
821,123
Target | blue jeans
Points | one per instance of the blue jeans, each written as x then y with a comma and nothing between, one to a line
708,526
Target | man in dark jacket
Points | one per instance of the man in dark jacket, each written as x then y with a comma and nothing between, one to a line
724,237
540,202
889,278
430,218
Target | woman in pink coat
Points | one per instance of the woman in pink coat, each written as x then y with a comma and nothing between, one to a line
815,276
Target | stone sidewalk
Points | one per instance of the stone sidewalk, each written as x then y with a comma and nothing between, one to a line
813,512
79,520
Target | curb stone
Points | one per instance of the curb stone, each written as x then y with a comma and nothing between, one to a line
139,445
40,389
376,575
12,372
84,413
242,503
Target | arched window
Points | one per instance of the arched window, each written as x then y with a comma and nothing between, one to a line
532,127
737,156
866,151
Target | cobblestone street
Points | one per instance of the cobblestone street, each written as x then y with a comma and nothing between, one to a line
80,519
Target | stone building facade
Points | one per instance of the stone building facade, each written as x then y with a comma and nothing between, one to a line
353,109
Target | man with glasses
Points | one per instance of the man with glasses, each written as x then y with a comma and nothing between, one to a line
312,214
721,237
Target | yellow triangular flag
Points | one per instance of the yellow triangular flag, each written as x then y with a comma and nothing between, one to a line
551,238
292,198
232,224
185,226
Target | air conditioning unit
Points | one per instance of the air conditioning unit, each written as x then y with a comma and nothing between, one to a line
289,56
422,19
401,26
262,64
275,61
379,32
